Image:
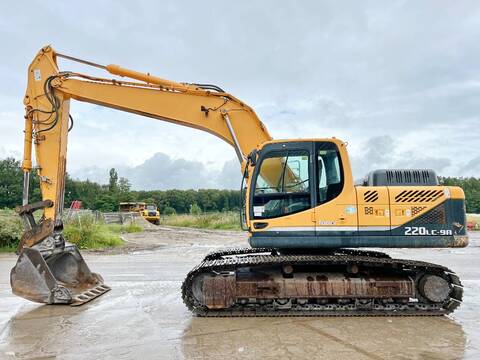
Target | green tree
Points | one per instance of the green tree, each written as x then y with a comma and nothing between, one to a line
168,210
195,209
124,185
106,197
471,187
113,181
106,203
149,200
11,184
124,193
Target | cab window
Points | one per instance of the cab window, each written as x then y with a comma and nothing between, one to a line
329,172
283,184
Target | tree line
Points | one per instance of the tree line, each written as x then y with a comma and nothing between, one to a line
95,196
471,187
106,197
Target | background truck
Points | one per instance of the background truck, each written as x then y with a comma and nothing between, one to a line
148,211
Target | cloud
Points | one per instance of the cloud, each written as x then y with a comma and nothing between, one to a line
230,176
160,172
383,152
354,70
472,168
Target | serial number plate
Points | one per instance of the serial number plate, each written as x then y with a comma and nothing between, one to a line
420,230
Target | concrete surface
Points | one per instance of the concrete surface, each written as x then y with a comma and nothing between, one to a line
143,317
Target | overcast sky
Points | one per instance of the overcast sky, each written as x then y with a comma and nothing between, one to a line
398,80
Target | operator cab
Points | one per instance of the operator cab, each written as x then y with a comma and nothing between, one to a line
292,177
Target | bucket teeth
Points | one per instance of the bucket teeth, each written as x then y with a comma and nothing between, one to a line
89,295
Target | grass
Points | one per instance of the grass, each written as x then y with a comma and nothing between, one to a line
82,231
7,249
11,230
120,229
216,220
97,236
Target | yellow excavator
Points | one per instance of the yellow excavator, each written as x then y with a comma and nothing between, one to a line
305,216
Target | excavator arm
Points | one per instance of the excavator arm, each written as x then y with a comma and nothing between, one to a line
65,277
47,99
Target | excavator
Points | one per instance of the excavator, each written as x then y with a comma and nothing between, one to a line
309,224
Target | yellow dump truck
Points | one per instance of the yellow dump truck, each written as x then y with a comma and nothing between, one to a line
148,211
151,214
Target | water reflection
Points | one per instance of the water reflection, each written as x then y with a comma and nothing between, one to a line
35,330
314,338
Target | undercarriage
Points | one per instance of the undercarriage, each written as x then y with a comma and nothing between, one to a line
342,282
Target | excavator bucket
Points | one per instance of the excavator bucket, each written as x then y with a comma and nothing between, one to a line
50,270
62,278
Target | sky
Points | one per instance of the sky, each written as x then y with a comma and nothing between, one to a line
399,80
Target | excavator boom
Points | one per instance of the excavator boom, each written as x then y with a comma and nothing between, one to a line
47,102
64,275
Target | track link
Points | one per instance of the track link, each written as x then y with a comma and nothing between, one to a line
231,259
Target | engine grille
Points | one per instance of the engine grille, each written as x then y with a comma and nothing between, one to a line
401,177
417,210
436,216
413,196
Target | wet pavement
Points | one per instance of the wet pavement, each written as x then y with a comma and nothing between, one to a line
144,317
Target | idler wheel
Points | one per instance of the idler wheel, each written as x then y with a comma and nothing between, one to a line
434,288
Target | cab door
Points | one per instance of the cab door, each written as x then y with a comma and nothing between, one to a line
335,199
